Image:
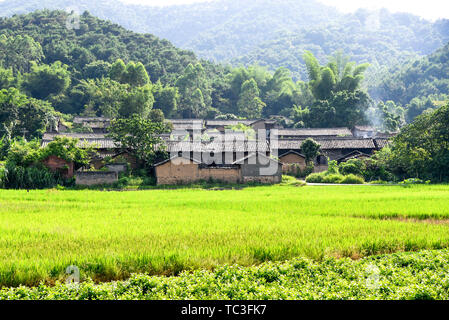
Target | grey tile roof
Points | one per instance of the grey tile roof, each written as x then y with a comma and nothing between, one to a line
381,142
329,144
236,146
100,140
219,123
90,119
331,132
186,124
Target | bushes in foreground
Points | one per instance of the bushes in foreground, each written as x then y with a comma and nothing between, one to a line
418,276
333,176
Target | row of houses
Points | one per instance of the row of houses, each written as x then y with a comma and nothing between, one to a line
238,159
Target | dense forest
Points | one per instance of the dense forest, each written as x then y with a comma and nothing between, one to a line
56,65
271,33
100,68
419,84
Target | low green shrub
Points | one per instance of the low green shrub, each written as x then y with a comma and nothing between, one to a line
34,177
315,178
401,276
333,178
414,181
352,179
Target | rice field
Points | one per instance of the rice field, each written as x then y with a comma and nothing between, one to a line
111,235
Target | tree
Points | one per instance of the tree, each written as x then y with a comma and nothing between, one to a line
103,96
7,79
97,70
338,75
249,104
421,149
19,52
46,80
117,70
310,149
165,98
194,92
140,136
137,101
136,75
21,116
69,150
133,73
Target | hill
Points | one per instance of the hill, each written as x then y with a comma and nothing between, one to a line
417,78
272,33
95,39
419,84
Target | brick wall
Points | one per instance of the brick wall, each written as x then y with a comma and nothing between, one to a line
62,166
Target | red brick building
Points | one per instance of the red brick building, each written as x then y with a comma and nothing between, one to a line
56,164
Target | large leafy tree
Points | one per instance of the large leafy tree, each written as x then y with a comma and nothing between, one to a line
165,98
23,116
140,136
311,150
18,52
194,92
46,80
250,105
421,149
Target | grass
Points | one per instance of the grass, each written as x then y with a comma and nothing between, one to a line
422,276
110,235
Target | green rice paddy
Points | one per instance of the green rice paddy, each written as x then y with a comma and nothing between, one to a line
110,235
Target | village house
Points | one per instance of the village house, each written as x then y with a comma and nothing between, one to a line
184,169
63,167
94,124
314,133
196,154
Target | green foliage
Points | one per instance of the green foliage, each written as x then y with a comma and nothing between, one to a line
67,149
352,166
46,80
140,136
352,179
194,91
21,116
416,81
34,177
421,150
24,154
401,276
351,173
310,149
19,52
395,220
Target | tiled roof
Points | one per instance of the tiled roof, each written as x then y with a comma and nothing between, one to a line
329,144
219,123
331,132
100,140
90,119
186,124
236,146
381,143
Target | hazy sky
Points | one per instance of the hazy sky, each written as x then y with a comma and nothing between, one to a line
429,9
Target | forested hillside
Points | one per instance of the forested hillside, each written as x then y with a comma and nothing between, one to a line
419,84
99,68
272,33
